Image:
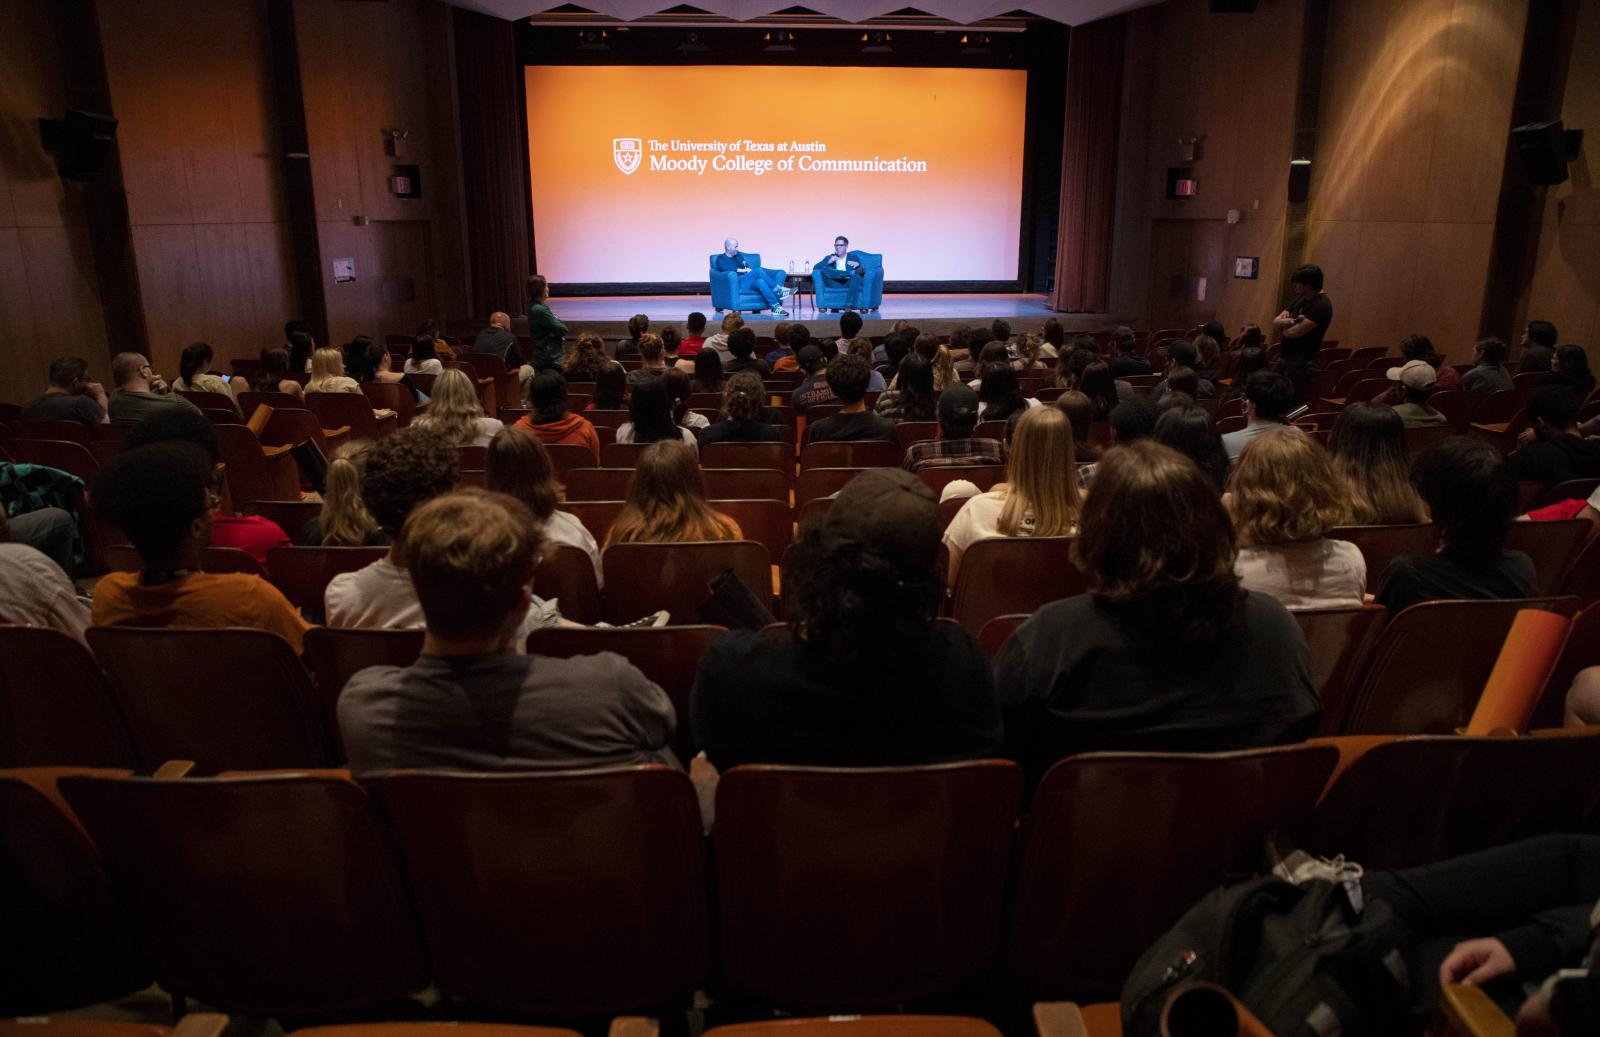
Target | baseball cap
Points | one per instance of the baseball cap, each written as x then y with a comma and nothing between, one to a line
958,403
1414,374
890,510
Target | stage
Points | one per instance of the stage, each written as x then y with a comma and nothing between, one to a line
938,314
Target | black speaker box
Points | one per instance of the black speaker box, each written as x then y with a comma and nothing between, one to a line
81,142
1545,148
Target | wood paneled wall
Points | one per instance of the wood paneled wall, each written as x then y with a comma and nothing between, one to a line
366,69
193,95
49,300
1565,289
1416,108
1230,80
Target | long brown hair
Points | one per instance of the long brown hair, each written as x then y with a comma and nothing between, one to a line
1369,454
344,520
517,464
1155,541
667,501
1284,490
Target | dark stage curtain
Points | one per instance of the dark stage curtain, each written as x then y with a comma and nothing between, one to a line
1089,166
494,162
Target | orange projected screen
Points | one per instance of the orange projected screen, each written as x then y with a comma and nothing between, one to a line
638,174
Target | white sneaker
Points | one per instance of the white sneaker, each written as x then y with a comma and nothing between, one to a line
784,291
779,311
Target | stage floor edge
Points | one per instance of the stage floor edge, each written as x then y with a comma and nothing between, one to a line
608,314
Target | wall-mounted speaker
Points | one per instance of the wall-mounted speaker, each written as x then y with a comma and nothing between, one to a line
1546,148
81,142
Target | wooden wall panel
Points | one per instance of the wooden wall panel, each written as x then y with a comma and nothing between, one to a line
1566,285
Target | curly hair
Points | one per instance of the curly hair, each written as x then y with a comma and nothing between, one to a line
744,398
1285,490
1155,542
404,469
586,359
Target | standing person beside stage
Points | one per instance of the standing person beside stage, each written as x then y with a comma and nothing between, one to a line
1303,325
544,328
842,268
750,278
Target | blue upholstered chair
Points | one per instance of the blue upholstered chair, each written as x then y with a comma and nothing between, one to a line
725,293
830,297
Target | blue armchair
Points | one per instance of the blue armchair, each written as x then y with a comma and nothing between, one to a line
725,293
832,297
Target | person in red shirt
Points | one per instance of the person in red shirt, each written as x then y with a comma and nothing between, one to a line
251,534
549,421
695,340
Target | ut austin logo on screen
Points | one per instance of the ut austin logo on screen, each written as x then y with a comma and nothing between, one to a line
626,151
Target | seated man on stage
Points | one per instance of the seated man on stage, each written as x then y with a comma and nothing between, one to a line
842,268
750,278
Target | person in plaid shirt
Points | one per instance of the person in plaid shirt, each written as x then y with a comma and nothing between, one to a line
958,416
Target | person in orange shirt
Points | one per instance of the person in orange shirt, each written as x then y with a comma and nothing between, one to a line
161,496
550,422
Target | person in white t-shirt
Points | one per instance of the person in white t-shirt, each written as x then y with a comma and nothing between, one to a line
519,466
1040,496
1285,496
34,591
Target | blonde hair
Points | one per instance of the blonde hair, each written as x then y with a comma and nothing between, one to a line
345,520
944,369
1042,477
454,410
732,322
1284,490
326,365
667,501
861,346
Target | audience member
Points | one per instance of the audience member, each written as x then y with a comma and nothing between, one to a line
1040,496
744,405
1181,386
1095,381
912,398
610,388
1183,355
1249,360
327,373
1368,449
71,395
650,417
742,345
1416,380
1055,338
847,380
1488,370
194,372
861,346
300,346
1128,361
1207,357
849,327
1028,352
518,465
1166,652
252,534
679,389
1538,345
1250,337
1552,451
670,340
424,358
587,359
140,392
955,447
1471,495
470,702
1000,396
708,372
1268,398
866,674
497,340
695,325
455,410
813,389
992,353
719,342
1188,429
273,374
344,520
638,324
1284,498
161,496
1134,419
35,591
546,333
666,502
652,359
1080,413
1570,367
548,419
1420,347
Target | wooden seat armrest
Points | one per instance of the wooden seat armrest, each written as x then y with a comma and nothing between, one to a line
634,1026
334,433
1472,1013
201,1024
1059,1019
274,451
172,770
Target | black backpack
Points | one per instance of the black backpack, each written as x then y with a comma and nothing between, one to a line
1302,958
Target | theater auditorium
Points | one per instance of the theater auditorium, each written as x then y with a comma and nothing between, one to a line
839,518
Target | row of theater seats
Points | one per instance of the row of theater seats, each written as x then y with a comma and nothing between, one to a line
589,892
